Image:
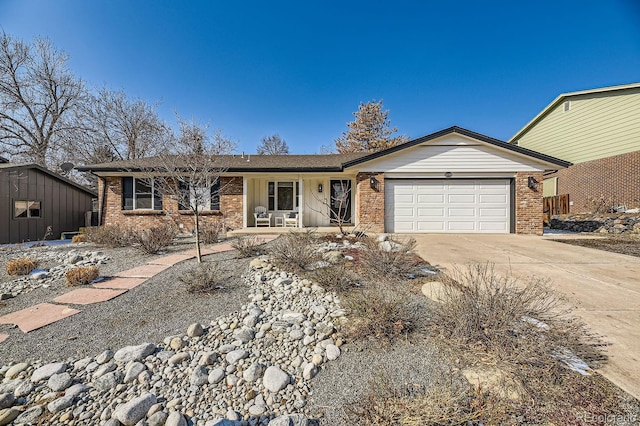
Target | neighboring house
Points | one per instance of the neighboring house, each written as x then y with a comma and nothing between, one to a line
599,132
33,198
454,180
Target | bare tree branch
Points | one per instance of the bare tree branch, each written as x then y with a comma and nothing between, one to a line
273,145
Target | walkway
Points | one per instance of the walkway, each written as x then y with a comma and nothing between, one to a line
43,314
604,286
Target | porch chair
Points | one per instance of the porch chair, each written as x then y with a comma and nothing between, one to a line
261,216
291,219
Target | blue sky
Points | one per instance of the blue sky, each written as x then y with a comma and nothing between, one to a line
301,68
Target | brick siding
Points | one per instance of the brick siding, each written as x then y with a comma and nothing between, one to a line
616,178
230,213
528,204
370,202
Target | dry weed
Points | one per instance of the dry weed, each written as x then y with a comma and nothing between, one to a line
82,276
109,236
247,246
203,279
80,238
21,266
153,240
295,251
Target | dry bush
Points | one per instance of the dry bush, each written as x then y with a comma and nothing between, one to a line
388,258
521,323
247,246
381,311
82,275
295,251
80,238
339,277
109,235
210,233
152,240
203,279
443,402
21,266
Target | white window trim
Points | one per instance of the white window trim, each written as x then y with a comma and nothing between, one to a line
135,194
28,210
296,194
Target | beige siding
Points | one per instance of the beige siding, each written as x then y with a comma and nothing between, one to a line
452,154
596,126
550,187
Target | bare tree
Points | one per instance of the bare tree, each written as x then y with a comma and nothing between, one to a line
273,145
371,130
189,170
115,127
337,208
37,94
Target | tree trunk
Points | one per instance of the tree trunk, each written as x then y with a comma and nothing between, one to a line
197,232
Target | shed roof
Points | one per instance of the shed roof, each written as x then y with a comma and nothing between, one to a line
17,167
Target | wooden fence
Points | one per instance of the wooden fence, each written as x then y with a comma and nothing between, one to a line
558,204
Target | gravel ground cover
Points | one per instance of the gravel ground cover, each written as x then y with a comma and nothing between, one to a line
150,312
629,245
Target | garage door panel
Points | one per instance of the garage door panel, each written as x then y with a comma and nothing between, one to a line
448,205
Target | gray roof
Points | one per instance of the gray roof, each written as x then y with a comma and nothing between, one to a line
246,163
16,167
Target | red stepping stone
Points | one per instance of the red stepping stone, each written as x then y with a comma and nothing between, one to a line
143,271
87,296
37,316
171,259
3,337
120,283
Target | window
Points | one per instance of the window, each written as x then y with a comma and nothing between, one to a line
141,194
567,106
206,197
26,209
283,195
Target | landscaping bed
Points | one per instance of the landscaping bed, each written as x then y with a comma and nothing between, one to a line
629,245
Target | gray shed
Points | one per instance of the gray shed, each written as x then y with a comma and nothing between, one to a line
33,198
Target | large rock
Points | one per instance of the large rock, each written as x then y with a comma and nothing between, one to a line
134,353
135,410
47,371
199,376
439,292
195,330
290,420
275,379
216,376
175,419
333,352
6,400
133,370
157,419
60,404
236,355
309,372
59,382
108,381
14,370
30,415
253,373
8,415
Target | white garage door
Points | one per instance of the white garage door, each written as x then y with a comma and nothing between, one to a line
447,206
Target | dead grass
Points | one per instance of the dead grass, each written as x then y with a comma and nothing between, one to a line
82,276
629,245
80,238
444,402
21,266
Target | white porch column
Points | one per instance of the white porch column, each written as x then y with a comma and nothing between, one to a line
245,207
301,206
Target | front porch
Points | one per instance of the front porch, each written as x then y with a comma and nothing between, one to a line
319,201
263,230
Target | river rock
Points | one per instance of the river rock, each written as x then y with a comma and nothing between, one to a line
134,353
135,410
275,379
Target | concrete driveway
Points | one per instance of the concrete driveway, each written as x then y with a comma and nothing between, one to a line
604,286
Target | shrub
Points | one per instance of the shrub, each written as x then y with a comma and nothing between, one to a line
210,233
296,250
80,238
444,402
21,266
338,277
247,246
204,278
82,275
388,258
381,312
152,240
109,236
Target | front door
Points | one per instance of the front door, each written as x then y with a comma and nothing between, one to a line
340,201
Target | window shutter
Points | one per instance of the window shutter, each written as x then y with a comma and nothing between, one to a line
215,196
157,195
127,193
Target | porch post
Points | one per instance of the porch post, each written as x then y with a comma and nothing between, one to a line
244,202
301,206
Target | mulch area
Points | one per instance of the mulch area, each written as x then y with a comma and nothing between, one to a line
629,245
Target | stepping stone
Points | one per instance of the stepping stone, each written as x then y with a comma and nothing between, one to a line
3,337
120,283
143,271
37,316
170,260
87,296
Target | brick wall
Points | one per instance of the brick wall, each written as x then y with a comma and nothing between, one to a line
616,178
528,204
370,202
230,208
